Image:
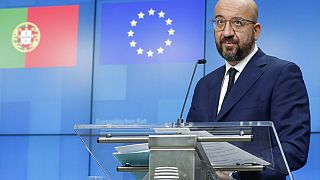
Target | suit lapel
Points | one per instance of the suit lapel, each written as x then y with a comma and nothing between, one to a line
215,87
247,78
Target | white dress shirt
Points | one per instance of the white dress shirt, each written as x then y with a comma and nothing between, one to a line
239,67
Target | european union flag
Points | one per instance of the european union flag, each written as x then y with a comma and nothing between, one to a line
166,31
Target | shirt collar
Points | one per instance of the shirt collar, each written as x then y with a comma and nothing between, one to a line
240,66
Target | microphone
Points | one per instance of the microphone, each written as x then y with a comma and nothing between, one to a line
200,61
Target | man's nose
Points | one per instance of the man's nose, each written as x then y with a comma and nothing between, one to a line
228,30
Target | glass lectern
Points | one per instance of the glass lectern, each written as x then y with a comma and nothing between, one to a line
189,151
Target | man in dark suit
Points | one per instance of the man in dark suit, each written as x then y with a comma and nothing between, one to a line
257,88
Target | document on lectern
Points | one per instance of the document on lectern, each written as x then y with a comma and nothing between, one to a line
223,153
132,148
226,154
133,155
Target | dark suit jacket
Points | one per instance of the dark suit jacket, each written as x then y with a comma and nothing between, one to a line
267,89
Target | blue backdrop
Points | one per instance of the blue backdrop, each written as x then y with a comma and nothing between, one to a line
39,107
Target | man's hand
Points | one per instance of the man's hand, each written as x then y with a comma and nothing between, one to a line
224,175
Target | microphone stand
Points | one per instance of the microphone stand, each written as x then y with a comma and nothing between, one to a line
180,119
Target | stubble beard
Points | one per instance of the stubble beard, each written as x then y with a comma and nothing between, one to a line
239,53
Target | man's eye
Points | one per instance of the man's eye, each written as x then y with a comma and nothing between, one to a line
238,23
220,21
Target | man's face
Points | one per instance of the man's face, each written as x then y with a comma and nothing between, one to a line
234,44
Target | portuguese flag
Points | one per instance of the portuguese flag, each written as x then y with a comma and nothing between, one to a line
39,37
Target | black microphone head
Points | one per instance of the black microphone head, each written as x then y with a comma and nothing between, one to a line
202,61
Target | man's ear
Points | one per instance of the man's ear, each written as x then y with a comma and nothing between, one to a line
256,30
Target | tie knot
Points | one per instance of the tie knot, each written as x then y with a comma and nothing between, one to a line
232,72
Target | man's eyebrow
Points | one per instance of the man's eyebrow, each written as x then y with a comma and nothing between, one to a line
218,16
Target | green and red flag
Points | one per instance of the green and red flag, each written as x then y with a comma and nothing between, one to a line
39,37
